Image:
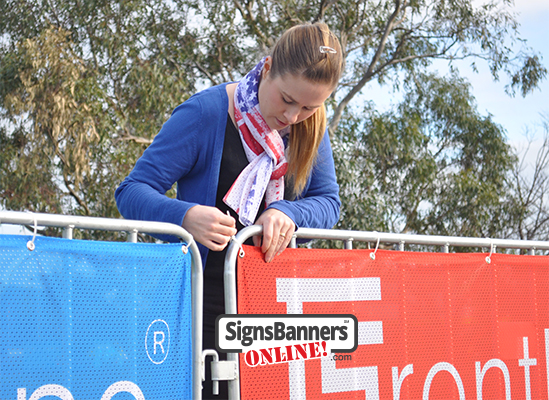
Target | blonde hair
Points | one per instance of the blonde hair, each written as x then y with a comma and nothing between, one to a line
298,52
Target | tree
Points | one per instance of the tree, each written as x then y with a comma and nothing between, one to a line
52,95
85,85
433,165
384,38
529,183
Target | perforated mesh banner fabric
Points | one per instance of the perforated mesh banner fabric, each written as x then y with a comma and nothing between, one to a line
94,320
431,325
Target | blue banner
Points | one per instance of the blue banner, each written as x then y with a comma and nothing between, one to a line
91,320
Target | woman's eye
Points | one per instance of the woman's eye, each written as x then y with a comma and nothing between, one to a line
286,101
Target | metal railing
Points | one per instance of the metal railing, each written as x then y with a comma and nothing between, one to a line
70,222
348,237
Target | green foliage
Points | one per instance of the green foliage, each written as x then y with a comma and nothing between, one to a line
432,165
84,87
86,84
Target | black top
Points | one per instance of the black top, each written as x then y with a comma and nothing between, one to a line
233,161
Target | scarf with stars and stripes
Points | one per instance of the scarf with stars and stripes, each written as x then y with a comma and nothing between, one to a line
264,149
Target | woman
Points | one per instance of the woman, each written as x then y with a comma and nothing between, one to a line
251,152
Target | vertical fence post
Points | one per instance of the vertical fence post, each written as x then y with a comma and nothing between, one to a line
293,242
67,232
132,236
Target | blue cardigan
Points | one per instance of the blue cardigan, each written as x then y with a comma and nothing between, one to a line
188,150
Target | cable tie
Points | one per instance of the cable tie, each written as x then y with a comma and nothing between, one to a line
373,255
492,248
30,244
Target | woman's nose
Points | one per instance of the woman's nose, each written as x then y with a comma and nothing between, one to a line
291,115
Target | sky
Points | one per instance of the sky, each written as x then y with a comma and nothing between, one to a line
516,114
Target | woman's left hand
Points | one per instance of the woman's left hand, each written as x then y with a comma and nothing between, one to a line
278,229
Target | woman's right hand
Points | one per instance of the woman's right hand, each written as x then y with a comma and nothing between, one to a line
209,226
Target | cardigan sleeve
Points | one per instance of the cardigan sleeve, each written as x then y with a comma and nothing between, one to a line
171,156
319,205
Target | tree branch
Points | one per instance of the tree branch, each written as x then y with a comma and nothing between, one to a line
391,23
324,5
72,192
136,139
252,22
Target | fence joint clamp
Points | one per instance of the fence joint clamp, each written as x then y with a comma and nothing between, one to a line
221,370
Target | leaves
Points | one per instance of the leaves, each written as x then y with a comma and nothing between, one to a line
432,165
49,107
85,85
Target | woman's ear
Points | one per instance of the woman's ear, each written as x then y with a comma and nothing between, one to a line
266,67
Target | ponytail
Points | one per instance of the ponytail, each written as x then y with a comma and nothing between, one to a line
301,51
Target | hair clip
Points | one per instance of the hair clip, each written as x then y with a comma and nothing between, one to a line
327,49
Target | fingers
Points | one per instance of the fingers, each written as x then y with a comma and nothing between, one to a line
257,241
226,220
209,226
278,229
278,243
215,246
287,239
284,240
216,242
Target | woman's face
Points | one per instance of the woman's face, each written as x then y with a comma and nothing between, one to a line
289,99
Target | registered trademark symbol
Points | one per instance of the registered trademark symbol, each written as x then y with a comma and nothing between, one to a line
157,341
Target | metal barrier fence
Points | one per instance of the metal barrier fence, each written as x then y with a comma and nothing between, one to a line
69,223
348,237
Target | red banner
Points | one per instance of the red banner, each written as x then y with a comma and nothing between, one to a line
431,325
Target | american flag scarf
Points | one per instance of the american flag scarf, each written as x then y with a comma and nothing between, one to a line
264,147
